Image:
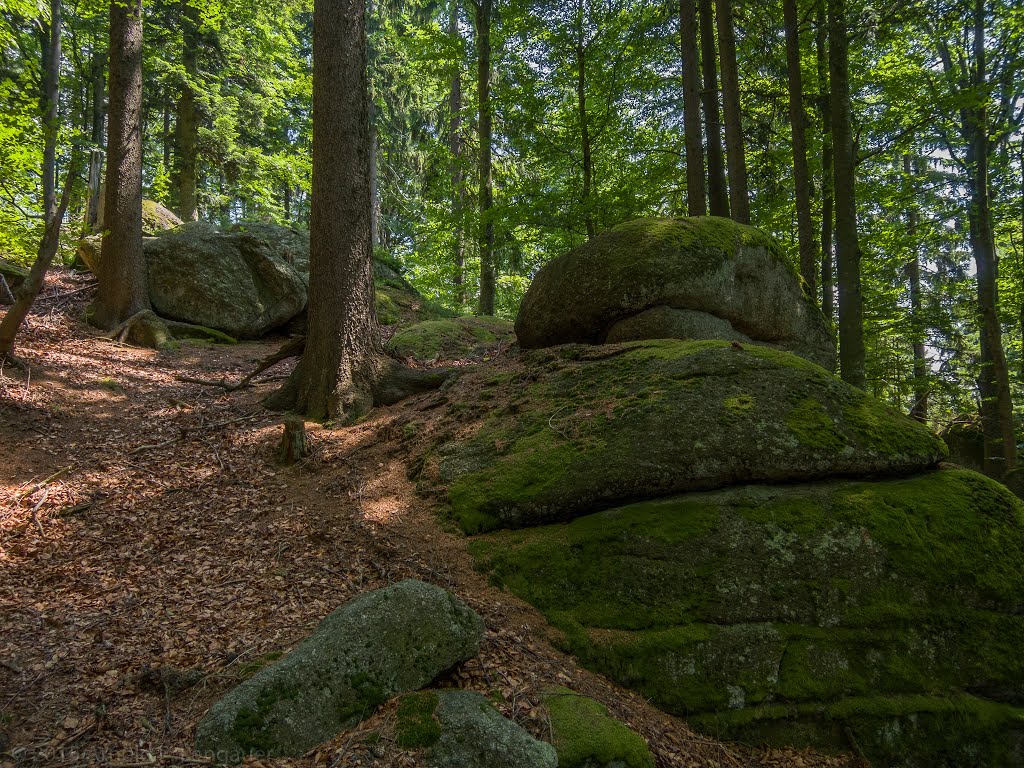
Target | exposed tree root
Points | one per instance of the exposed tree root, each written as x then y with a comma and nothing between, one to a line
291,348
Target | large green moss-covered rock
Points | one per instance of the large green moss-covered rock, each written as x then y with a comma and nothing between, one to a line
586,736
382,643
586,428
456,338
706,265
891,612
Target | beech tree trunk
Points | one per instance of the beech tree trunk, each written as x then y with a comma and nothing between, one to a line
343,356
738,202
458,183
828,302
92,209
696,199
718,195
919,409
851,305
801,176
186,127
122,290
487,263
49,103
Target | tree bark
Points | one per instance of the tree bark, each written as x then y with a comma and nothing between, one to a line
455,147
718,195
828,299
919,409
99,113
581,102
487,261
738,199
801,176
851,305
122,288
49,103
696,199
186,127
343,355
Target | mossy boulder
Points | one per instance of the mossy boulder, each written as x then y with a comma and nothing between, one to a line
157,219
382,643
584,428
890,611
707,265
14,274
473,734
456,338
585,736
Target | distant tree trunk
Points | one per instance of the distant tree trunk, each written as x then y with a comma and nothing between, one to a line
93,204
718,195
696,200
801,176
851,306
828,306
187,124
919,410
738,202
49,103
376,237
122,290
167,137
455,146
343,355
286,200
487,262
581,101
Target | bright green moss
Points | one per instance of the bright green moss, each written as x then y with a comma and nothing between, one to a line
585,736
415,725
884,430
388,312
740,404
452,338
813,427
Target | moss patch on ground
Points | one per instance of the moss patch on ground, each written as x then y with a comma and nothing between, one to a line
793,600
585,736
456,338
416,727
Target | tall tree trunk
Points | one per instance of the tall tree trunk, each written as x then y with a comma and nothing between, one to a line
994,380
581,102
92,216
487,261
49,103
696,199
371,54
738,202
828,305
187,124
122,290
343,356
455,146
919,409
718,195
801,176
851,305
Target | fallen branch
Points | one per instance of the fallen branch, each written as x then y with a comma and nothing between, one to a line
42,483
291,348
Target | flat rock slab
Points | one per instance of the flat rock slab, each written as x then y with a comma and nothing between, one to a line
476,735
584,428
708,265
385,642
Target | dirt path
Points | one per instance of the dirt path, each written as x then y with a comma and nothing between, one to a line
152,555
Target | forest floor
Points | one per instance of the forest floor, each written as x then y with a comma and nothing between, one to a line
152,555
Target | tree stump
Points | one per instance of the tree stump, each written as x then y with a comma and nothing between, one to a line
293,447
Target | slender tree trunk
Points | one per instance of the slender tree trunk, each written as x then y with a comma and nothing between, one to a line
919,410
828,305
187,123
29,289
851,305
286,196
167,138
718,196
487,262
371,53
122,290
455,146
581,102
738,202
92,220
49,103
696,199
801,176
343,355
